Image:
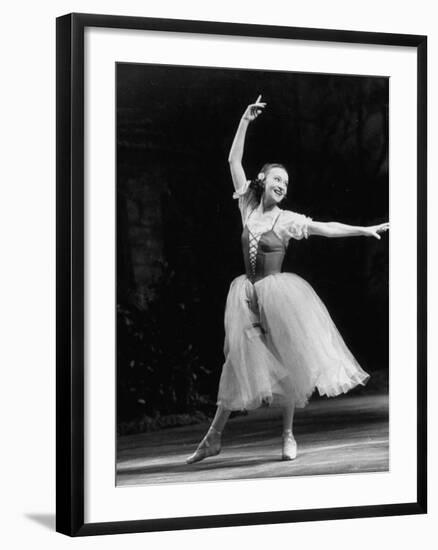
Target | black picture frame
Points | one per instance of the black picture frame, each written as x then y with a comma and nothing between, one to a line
70,273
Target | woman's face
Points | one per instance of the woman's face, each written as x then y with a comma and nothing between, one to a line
276,182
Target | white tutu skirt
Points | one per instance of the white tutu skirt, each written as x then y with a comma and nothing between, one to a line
281,344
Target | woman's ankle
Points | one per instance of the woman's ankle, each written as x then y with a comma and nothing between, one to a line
214,431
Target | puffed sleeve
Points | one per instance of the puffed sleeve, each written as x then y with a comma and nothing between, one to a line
295,225
246,201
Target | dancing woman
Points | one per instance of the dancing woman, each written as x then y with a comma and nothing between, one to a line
280,341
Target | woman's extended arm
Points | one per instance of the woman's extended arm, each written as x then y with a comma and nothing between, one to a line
335,229
236,151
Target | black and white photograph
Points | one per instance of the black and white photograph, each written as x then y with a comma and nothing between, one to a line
218,266
252,274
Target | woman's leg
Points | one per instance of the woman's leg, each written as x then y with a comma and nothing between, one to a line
288,417
211,443
220,418
289,443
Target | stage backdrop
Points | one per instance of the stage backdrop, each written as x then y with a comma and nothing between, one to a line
178,228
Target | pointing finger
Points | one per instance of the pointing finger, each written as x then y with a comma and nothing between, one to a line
259,98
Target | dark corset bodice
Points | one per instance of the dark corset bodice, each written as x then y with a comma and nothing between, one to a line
269,258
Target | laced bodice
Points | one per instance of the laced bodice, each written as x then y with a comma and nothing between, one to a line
264,240
263,251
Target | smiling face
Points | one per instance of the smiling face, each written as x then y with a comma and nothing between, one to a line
276,182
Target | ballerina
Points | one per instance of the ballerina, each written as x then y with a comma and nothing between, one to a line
280,341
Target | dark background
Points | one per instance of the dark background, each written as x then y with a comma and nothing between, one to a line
178,229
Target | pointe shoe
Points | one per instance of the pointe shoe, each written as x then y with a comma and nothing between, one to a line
289,446
209,446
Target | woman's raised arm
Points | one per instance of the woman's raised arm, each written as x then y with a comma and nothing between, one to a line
335,229
236,151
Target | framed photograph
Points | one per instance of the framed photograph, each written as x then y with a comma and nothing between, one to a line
241,274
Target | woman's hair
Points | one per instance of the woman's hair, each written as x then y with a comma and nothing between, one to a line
258,183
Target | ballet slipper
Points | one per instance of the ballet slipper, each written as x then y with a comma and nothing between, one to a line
289,446
209,446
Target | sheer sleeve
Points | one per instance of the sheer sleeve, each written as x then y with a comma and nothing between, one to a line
246,201
295,225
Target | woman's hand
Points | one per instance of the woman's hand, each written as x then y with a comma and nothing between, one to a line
375,230
253,110
236,151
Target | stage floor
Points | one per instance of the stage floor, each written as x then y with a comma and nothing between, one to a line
334,436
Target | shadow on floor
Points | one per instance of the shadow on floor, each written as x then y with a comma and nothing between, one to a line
46,520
